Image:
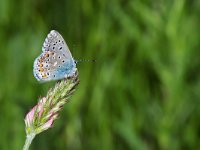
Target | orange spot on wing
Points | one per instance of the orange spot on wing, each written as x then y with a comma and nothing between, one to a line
44,76
40,65
46,55
41,59
41,69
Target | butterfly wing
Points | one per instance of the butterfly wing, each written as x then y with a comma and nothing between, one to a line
55,42
56,61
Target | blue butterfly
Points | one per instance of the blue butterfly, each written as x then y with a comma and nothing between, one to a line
56,61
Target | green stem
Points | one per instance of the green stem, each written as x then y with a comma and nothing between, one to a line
29,139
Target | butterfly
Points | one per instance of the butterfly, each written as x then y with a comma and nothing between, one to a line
55,61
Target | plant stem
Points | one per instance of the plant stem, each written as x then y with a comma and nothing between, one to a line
29,139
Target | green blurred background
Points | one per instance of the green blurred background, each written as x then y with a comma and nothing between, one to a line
143,93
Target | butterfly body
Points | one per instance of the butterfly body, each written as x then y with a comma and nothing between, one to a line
55,61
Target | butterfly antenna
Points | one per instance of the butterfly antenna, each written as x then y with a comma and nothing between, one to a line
84,60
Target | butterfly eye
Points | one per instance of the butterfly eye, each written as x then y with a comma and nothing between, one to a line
60,48
59,66
59,57
59,41
63,61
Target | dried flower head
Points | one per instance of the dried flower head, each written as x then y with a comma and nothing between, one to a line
42,116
